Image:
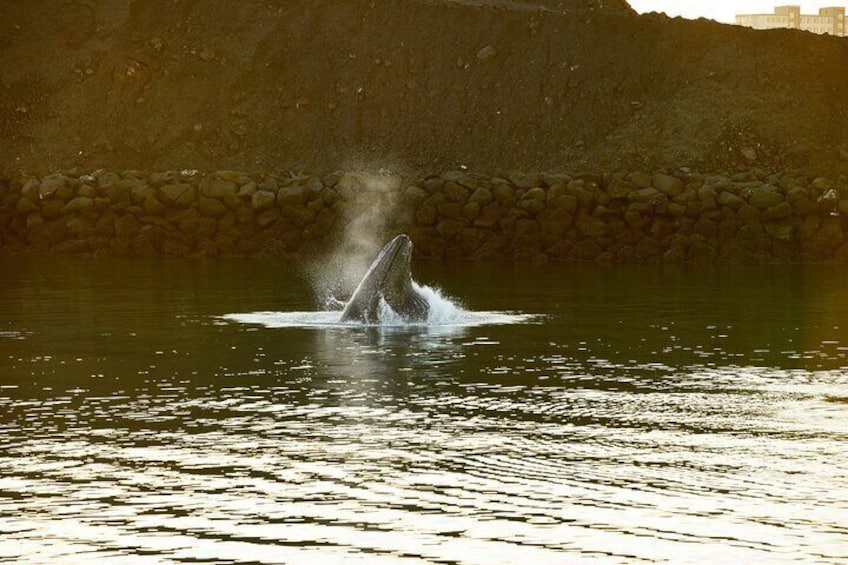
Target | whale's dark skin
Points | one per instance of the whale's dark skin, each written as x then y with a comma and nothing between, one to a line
389,278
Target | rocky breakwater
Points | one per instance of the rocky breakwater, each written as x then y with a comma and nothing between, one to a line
638,217
664,216
169,213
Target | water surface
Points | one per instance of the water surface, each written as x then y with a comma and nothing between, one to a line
588,415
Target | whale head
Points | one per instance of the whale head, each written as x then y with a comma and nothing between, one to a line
389,278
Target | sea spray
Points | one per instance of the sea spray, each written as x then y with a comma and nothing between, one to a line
441,310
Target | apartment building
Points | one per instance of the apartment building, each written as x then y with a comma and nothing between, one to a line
828,21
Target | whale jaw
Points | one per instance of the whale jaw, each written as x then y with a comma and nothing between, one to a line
388,279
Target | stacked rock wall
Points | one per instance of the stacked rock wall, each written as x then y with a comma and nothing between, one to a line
664,216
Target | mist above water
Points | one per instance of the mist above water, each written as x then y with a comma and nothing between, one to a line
373,200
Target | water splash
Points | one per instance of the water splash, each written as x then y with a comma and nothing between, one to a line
443,313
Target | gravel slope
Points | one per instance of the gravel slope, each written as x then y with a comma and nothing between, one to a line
410,85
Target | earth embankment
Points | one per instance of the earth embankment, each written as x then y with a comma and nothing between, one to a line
410,85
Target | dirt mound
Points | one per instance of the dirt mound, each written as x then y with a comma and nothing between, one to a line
410,84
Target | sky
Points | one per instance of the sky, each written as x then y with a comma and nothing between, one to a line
726,10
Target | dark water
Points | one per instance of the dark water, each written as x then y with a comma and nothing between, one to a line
648,415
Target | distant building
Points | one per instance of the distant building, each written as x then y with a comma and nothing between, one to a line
828,21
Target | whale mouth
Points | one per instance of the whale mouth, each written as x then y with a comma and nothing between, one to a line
390,258
398,244
388,279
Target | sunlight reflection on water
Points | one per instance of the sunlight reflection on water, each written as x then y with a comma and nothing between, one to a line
652,430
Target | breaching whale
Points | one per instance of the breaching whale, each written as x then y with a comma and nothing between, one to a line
389,278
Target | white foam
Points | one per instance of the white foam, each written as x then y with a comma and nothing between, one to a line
443,313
